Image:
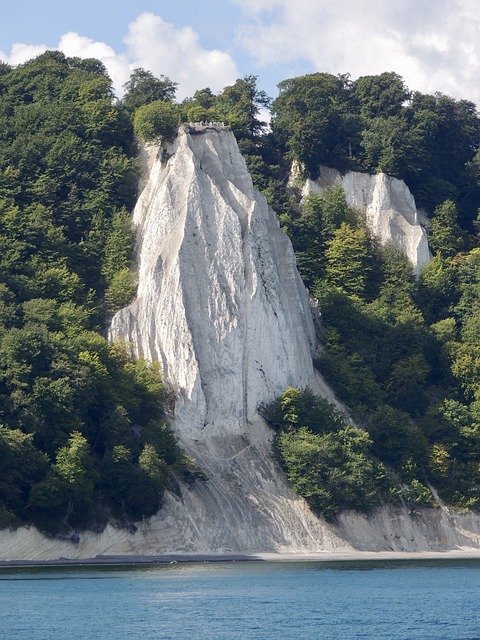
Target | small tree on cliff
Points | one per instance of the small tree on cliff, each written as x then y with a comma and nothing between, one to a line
156,120
144,88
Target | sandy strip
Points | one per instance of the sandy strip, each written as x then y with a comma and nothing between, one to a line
322,556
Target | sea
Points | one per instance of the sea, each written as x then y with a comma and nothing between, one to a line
389,600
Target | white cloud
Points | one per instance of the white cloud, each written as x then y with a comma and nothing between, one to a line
20,53
152,44
435,46
156,45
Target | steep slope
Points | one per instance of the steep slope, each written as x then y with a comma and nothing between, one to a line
389,209
221,305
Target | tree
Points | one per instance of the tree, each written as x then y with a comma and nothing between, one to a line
349,259
121,290
321,216
204,98
439,288
296,408
202,107
406,385
312,119
447,134
154,467
396,438
119,244
387,145
333,471
22,465
239,106
77,478
445,236
383,95
155,121
143,88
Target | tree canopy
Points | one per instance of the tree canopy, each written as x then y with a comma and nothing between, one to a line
71,405
376,123
143,87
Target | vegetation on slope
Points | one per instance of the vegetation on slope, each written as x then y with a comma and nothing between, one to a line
401,352
82,432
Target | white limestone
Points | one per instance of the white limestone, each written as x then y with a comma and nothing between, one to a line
221,305
387,529
389,209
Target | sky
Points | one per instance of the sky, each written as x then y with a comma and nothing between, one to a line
433,44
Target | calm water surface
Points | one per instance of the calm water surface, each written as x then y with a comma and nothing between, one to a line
233,601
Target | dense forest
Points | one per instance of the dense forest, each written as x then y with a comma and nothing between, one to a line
83,435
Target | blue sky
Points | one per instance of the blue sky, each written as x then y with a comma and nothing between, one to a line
433,44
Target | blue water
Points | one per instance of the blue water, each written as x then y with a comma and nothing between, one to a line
233,601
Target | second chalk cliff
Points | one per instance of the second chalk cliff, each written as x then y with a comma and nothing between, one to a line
388,207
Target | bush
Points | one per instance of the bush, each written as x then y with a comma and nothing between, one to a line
121,290
328,461
155,121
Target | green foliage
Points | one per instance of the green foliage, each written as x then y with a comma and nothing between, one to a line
387,145
445,236
376,124
348,258
295,408
239,106
328,461
119,243
396,438
312,232
311,118
69,401
333,471
144,88
380,96
402,353
156,120
22,464
121,290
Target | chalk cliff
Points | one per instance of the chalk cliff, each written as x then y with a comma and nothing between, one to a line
220,304
388,206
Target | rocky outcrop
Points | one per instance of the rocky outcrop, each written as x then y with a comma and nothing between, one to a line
388,206
221,305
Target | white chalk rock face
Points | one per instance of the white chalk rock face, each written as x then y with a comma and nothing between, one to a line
221,305
388,206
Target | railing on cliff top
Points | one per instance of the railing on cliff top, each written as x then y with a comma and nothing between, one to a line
202,127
